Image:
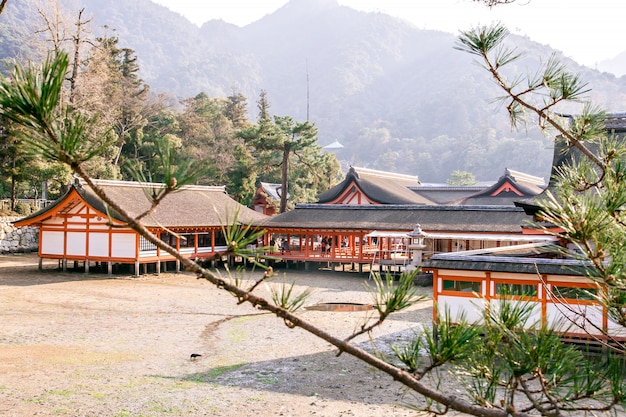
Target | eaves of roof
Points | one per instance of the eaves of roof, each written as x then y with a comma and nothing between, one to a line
471,219
193,206
510,264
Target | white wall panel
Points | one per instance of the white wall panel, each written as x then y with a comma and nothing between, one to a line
569,318
456,305
535,315
76,243
123,245
51,243
98,244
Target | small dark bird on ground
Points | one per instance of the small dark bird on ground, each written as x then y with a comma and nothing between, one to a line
194,356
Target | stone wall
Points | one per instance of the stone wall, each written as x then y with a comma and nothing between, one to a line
22,239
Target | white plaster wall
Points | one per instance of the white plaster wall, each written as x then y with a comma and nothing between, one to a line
456,305
52,243
123,245
98,244
76,243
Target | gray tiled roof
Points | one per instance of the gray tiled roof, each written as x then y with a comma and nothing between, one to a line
471,219
380,187
508,264
525,184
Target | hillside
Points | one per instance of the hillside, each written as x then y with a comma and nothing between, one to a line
397,97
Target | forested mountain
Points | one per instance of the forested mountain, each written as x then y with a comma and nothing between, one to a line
397,97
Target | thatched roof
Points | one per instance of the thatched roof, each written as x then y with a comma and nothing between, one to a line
192,206
470,219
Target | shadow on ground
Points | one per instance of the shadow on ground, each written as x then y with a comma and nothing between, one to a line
319,376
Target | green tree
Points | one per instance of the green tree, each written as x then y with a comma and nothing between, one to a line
460,178
279,144
123,93
209,135
242,176
235,110
13,162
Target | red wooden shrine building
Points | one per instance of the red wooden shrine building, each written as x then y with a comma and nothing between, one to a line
79,227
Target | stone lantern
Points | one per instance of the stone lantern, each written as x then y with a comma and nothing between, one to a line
416,246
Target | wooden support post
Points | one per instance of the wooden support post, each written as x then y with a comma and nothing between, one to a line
158,267
177,265
109,267
137,268
86,266
64,265
41,264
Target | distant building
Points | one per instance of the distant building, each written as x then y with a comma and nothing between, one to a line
267,198
333,146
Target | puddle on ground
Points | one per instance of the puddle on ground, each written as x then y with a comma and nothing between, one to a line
340,307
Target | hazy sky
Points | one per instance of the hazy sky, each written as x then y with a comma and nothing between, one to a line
589,31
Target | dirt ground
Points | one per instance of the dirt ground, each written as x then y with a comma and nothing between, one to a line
73,344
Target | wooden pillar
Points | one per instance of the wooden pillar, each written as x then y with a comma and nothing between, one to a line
177,265
109,267
64,265
137,268
41,264
308,244
86,266
158,267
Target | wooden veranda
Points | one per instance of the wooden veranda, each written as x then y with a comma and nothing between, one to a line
355,248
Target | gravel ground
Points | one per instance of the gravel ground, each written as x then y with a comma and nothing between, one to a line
93,345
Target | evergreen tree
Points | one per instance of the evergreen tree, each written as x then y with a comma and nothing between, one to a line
286,152
460,178
235,110
14,164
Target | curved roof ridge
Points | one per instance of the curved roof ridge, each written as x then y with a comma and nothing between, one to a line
137,184
524,177
387,175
